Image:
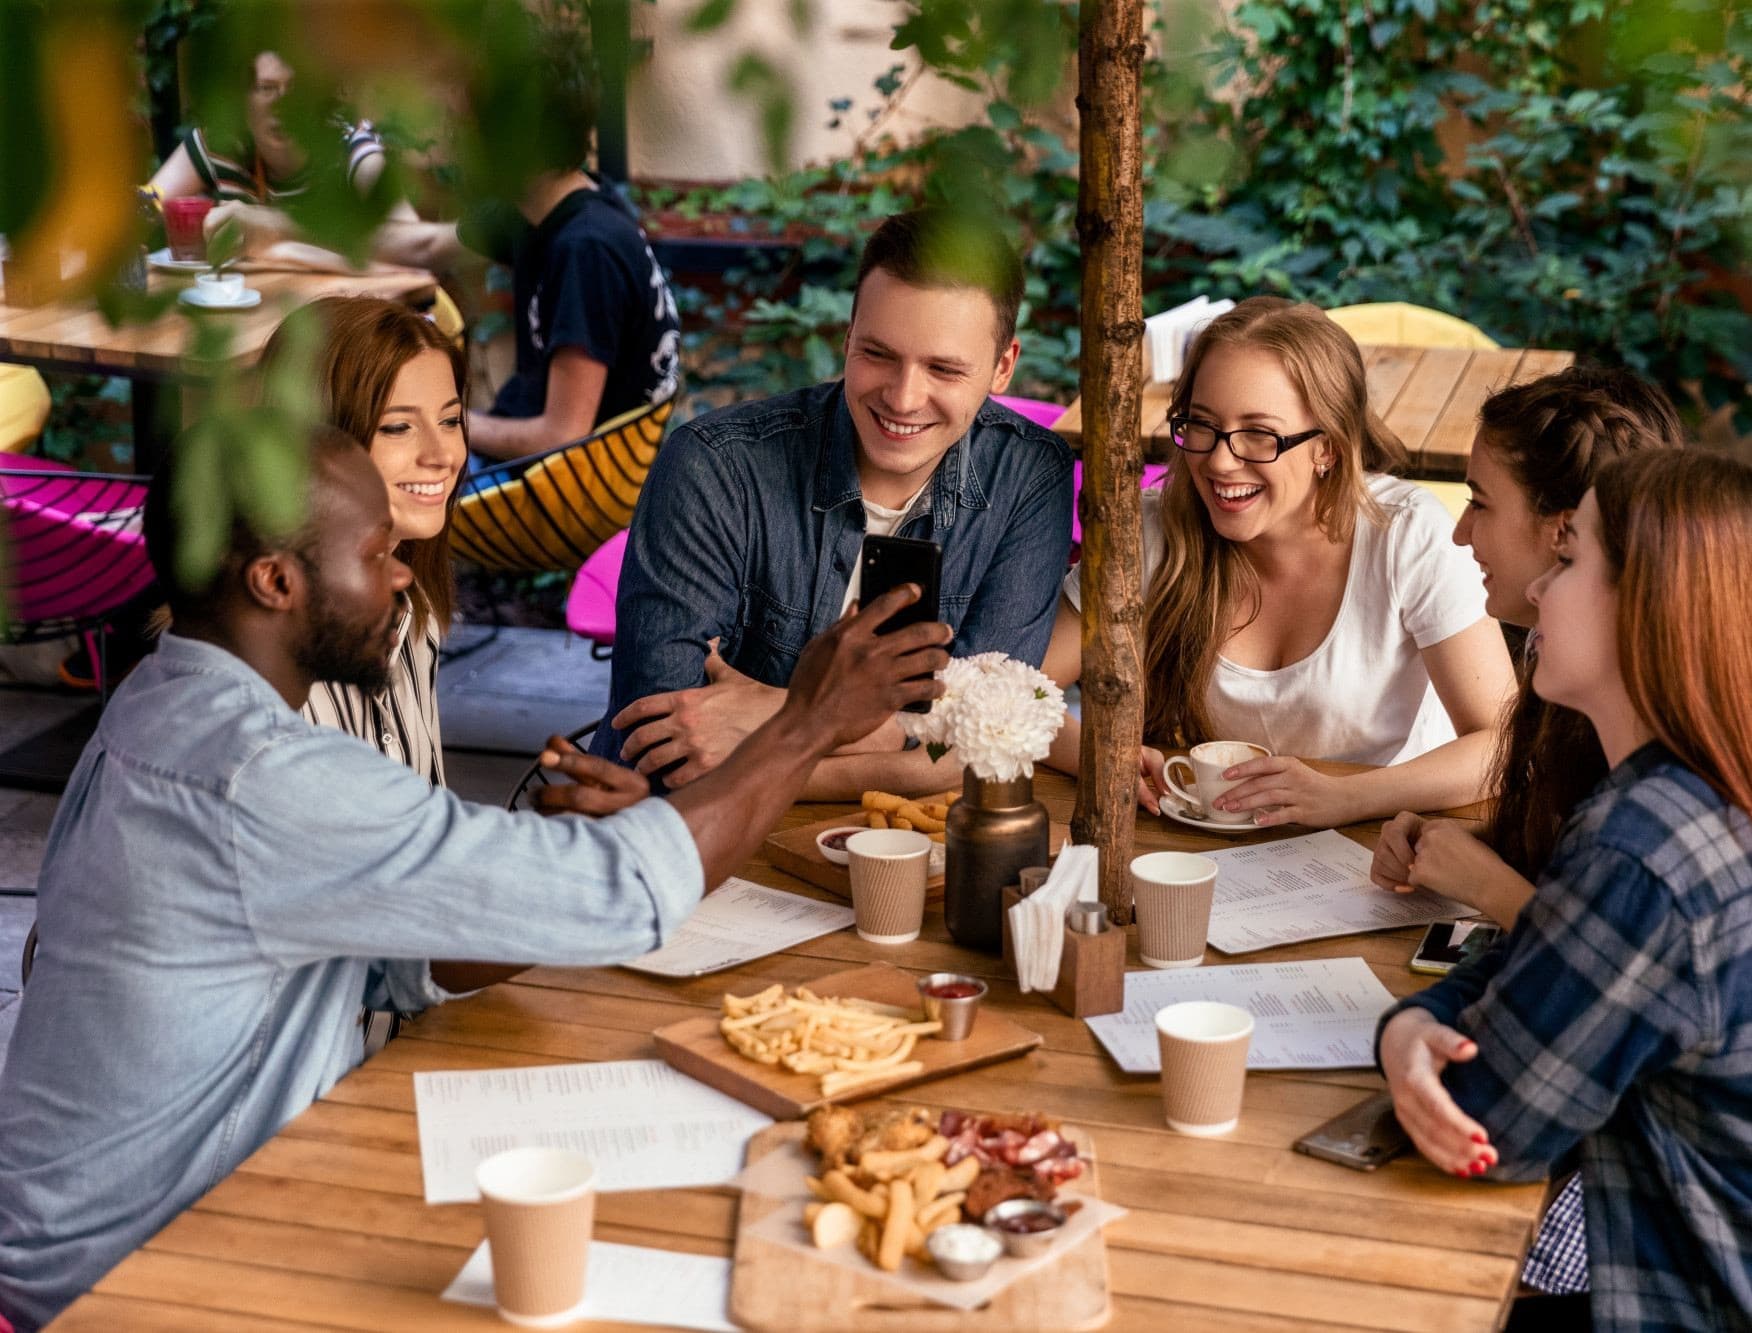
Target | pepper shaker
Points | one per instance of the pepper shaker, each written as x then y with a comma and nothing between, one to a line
1091,976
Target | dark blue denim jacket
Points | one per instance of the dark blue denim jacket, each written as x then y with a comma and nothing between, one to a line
750,525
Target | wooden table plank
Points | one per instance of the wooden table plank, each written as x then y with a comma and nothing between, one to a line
75,332
1425,394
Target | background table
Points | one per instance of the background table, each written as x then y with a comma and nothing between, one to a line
1428,396
325,1226
74,337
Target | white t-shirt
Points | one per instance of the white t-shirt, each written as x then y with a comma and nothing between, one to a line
879,521
1363,694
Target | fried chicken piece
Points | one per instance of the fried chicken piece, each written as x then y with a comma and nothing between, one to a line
995,1184
896,1131
834,1132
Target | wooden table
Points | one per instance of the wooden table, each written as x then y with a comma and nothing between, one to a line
1429,397
74,337
325,1226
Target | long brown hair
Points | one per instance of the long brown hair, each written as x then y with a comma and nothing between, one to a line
1205,579
1553,435
1677,528
365,342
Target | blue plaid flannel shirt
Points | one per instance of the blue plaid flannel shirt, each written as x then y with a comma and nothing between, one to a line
1616,1021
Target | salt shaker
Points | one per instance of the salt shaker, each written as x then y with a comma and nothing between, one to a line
1091,976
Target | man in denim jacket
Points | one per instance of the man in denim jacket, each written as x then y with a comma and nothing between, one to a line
747,536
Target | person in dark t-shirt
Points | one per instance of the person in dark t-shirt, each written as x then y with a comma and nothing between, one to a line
584,279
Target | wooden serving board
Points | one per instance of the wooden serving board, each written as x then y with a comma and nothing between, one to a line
773,1287
794,851
698,1049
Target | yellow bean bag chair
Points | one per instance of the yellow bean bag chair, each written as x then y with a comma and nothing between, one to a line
552,511
1396,324
24,407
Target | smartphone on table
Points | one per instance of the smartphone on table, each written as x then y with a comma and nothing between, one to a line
1447,944
888,562
1363,1138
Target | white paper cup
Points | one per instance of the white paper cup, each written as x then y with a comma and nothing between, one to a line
1204,1065
539,1205
889,870
1208,763
1171,898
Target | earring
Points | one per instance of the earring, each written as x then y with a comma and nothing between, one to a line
1322,470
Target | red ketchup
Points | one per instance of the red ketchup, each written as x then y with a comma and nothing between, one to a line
837,839
952,990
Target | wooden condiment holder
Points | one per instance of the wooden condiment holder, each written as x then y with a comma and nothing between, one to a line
1091,977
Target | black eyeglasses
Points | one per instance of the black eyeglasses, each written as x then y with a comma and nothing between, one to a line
1252,445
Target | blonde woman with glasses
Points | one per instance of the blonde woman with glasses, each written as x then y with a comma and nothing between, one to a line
1299,597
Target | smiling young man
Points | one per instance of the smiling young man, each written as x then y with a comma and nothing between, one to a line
747,535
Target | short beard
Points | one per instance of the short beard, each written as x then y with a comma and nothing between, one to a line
335,651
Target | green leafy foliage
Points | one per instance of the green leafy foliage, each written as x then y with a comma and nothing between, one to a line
1563,173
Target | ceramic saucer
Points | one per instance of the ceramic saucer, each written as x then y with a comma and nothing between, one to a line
1180,816
192,296
162,259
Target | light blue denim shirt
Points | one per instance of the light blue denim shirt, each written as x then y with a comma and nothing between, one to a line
750,525
224,884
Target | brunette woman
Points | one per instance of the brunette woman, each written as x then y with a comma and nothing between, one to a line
1538,448
1616,1020
1299,597
387,377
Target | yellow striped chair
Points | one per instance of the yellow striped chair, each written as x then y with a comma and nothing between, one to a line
552,511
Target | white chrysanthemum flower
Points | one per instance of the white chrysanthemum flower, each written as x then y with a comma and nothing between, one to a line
1000,714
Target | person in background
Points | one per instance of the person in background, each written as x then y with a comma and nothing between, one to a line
596,326
1614,1024
1298,597
747,536
1538,449
252,180
225,883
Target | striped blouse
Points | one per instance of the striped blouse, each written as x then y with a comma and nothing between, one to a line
241,176
402,721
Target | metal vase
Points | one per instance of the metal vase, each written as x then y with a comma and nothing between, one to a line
995,831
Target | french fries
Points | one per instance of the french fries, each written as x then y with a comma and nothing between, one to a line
847,1043
897,1197
886,810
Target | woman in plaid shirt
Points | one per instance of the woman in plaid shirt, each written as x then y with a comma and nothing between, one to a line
1615,1021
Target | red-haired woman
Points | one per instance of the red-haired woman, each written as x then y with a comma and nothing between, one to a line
1616,1020
387,377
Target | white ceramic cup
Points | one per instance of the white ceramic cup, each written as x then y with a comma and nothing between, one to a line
220,288
890,869
1203,1046
540,1206
1207,763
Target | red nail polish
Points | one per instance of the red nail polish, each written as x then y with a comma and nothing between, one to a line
1479,1167
1481,1137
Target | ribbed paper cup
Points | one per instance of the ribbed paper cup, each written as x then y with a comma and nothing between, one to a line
1171,895
889,869
1204,1065
539,1205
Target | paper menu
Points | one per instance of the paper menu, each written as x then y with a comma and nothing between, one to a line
1309,888
646,1126
628,1284
1319,1014
738,923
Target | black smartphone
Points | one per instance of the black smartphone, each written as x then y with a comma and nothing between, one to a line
888,562
1364,1137
1447,944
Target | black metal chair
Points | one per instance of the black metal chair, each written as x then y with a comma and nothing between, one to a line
535,777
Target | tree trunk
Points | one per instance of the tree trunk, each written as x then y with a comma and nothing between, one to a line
1110,224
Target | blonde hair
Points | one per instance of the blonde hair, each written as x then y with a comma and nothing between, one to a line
1204,578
